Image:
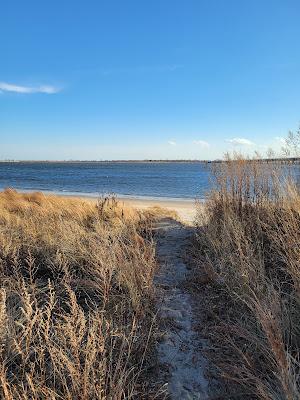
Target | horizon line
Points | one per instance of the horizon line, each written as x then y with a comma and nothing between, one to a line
150,160
109,160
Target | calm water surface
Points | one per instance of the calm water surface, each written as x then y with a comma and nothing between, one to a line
150,180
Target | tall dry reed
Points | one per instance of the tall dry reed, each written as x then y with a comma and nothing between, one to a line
247,253
75,299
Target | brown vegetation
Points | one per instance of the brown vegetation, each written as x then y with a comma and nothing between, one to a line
75,301
247,254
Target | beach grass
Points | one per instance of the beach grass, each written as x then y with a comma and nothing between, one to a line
76,315
246,255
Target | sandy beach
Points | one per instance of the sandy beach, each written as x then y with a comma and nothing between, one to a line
186,209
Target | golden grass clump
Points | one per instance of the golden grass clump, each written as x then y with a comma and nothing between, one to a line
247,254
75,298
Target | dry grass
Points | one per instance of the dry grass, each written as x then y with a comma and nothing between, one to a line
157,212
75,299
247,252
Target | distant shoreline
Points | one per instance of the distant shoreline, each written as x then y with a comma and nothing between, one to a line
281,160
104,161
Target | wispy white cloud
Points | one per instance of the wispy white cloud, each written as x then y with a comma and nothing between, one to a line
8,87
281,140
240,142
201,143
172,143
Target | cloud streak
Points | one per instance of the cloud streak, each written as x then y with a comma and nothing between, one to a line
201,143
281,140
8,87
240,142
172,143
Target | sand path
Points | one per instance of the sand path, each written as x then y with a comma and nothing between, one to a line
179,351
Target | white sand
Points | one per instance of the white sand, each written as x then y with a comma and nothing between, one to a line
186,209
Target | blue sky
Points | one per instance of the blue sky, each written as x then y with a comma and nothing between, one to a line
142,79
